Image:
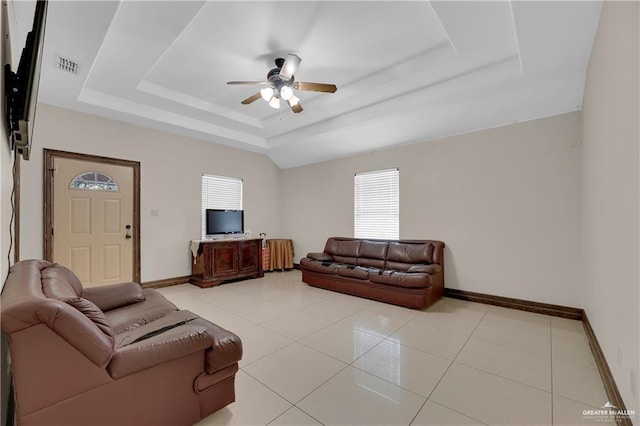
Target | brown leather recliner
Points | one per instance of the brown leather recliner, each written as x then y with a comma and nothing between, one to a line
111,355
408,273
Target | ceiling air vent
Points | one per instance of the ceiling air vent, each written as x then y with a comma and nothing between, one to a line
67,65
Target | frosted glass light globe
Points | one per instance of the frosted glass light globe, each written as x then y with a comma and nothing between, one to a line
266,93
286,92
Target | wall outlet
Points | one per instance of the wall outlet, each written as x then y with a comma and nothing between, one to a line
633,380
155,212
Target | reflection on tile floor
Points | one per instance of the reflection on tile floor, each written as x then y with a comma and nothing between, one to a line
316,357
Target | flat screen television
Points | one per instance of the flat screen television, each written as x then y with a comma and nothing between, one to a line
21,87
224,221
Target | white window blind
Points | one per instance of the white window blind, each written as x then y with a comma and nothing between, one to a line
220,192
377,204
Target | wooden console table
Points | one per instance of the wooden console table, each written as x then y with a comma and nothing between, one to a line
216,261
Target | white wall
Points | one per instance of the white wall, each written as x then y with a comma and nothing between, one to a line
6,184
171,170
611,193
506,201
6,156
6,180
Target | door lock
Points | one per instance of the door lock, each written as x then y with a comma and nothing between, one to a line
128,227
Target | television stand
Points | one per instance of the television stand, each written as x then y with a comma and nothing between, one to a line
216,261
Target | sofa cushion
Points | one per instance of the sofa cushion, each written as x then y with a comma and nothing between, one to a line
323,257
108,297
401,256
353,272
92,312
373,253
401,279
428,269
350,249
132,316
346,260
176,317
58,282
330,268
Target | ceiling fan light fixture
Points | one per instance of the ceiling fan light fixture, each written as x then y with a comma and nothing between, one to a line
281,84
286,92
274,103
266,93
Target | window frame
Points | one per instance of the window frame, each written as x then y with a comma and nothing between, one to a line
382,204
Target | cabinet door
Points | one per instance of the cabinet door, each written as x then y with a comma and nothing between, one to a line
225,258
249,256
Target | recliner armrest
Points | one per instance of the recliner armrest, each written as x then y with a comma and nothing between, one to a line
114,296
322,257
429,269
170,345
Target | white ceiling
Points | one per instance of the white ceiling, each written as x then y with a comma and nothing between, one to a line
406,71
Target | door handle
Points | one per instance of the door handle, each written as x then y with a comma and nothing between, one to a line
128,227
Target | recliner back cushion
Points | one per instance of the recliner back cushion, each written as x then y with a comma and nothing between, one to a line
402,256
58,282
373,253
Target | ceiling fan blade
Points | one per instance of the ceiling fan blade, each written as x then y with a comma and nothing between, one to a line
290,65
249,83
296,108
251,98
316,87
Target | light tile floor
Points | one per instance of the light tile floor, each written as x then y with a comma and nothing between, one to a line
314,357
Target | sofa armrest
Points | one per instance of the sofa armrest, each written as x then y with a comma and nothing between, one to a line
429,269
167,346
114,296
322,257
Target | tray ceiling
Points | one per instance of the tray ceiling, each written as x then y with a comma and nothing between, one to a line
406,71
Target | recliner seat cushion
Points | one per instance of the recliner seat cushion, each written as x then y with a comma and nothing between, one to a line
132,316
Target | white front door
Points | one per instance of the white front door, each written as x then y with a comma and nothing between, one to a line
93,220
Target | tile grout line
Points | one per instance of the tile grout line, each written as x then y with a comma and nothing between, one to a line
289,409
292,309
456,411
447,370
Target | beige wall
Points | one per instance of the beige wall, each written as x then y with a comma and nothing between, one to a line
611,193
171,170
506,201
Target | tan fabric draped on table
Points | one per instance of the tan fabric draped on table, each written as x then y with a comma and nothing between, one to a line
281,254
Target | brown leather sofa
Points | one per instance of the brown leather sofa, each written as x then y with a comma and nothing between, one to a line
111,355
408,273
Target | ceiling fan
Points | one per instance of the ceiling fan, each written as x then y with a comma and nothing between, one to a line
280,84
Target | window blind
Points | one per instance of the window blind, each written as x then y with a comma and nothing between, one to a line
377,204
220,192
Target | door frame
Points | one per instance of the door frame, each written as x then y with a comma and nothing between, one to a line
48,169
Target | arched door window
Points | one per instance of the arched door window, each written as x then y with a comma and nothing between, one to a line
94,181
